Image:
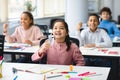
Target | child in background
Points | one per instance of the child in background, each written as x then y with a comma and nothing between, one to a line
26,33
62,51
105,22
93,37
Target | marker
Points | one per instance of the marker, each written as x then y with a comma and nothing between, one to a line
87,74
65,72
15,78
54,76
84,74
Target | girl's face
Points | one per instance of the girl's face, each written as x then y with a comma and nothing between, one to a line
25,21
59,31
93,23
105,15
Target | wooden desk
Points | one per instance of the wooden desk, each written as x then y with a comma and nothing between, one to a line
94,52
28,50
8,74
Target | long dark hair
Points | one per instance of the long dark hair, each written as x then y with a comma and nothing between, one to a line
67,39
30,16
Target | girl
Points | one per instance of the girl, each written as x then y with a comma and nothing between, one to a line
25,33
62,51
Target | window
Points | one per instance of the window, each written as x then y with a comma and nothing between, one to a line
93,6
43,8
54,7
16,7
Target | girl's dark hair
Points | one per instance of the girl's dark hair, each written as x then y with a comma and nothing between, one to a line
67,39
93,14
106,9
30,16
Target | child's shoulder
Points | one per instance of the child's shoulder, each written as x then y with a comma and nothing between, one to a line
73,45
35,27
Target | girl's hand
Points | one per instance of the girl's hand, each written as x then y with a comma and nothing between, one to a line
44,47
79,26
5,27
28,42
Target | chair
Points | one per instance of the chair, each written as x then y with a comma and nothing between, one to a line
44,29
1,44
44,59
75,40
103,29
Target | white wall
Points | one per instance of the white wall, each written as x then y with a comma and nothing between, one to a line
114,5
76,11
116,9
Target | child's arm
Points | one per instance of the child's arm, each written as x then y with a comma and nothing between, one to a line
78,58
39,54
8,37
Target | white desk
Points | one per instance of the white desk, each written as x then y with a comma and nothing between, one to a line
8,74
114,58
28,50
96,52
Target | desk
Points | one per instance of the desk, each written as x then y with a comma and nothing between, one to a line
94,52
8,74
29,50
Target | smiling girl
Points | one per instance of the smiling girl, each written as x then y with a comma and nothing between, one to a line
62,51
25,33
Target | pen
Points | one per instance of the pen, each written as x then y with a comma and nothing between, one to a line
15,71
54,76
15,78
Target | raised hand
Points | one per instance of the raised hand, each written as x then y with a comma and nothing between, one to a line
44,47
79,25
5,27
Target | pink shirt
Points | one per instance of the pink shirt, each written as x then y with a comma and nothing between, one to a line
20,35
57,54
